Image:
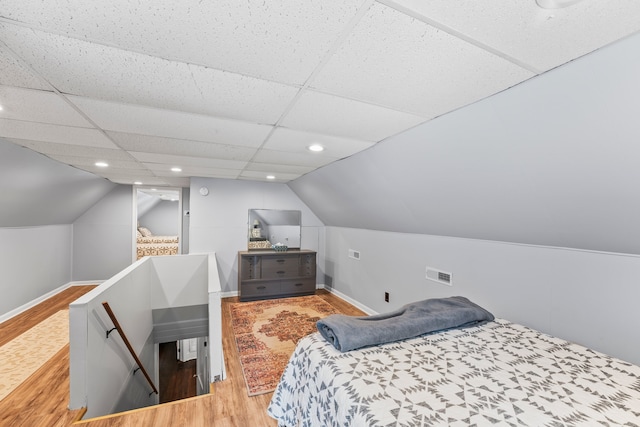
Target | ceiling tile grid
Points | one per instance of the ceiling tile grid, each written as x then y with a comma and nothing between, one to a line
281,41
240,90
397,61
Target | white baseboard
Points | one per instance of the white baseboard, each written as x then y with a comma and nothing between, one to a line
351,301
41,298
228,294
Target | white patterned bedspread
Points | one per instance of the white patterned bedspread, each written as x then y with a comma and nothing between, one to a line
500,373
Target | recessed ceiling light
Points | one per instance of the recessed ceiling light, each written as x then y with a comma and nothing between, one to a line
137,183
176,169
1,108
102,164
315,147
271,177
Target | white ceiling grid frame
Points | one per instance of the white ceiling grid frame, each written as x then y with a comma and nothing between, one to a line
187,160
59,149
285,139
54,133
522,30
13,72
338,116
267,157
254,38
180,147
142,120
396,61
317,67
39,106
112,74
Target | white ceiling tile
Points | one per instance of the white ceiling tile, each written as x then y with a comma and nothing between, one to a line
277,168
322,113
288,158
13,72
261,176
183,161
112,172
88,69
543,38
413,67
54,133
161,170
38,106
73,150
89,162
276,40
180,147
283,139
124,178
171,124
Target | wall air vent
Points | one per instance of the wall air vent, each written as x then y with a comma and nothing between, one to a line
439,276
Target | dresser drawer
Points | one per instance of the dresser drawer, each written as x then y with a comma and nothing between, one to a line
280,267
308,265
253,290
297,286
250,267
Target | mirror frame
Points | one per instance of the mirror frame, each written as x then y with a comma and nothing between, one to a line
273,218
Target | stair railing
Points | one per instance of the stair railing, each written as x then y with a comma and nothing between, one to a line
117,327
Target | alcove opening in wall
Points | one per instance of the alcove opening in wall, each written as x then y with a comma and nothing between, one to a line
158,221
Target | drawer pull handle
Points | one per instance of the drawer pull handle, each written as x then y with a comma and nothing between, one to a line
280,261
280,272
298,284
261,287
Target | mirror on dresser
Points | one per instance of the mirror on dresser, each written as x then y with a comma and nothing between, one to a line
269,227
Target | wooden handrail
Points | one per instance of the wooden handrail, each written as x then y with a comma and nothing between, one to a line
126,342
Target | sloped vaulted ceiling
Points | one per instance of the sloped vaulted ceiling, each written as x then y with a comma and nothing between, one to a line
554,162
239,89
39,191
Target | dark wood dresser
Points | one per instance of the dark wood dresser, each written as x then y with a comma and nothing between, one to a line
271,274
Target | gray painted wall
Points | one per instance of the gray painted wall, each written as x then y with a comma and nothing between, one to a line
103,237
553,161
162,219
34,261
582,296
219,221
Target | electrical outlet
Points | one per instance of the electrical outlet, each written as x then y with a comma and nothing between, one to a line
386,297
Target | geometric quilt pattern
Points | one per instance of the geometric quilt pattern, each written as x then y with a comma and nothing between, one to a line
499,373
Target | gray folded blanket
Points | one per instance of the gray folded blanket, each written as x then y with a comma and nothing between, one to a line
351,332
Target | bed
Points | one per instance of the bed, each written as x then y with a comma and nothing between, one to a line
498,373
149,245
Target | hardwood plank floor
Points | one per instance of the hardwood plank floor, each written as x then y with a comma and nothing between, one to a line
176,379
43,398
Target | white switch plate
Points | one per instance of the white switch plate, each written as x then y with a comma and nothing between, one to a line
354,254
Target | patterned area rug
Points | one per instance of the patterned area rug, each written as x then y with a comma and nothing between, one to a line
25,354
267,332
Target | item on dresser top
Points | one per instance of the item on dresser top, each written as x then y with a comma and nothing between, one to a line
347,333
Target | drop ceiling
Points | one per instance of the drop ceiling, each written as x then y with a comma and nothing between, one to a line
239,90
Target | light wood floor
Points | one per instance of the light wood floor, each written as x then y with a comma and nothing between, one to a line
43,398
